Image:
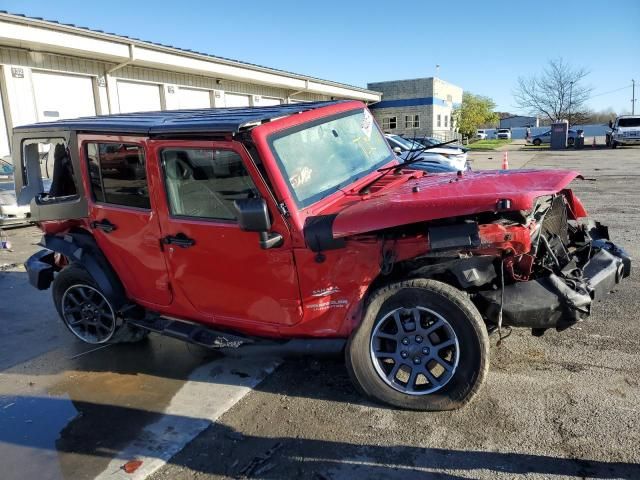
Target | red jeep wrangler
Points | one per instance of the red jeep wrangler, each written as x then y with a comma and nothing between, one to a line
295,228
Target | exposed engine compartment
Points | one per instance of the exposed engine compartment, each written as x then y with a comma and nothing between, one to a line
571,264
539,269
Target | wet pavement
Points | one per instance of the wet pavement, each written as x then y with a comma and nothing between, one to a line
74,411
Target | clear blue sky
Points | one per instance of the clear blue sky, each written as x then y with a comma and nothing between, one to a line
481,46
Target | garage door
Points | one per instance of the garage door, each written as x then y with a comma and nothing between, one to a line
266,101
236,100
62,96
138,97
193,98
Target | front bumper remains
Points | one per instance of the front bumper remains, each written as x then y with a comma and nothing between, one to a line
558,302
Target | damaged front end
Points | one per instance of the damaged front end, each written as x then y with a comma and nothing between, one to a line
570,265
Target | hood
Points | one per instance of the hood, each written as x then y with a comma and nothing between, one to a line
442,196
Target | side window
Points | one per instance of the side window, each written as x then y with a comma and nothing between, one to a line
48,160
117,174
203,183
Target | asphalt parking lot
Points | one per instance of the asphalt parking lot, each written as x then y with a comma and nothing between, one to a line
566,405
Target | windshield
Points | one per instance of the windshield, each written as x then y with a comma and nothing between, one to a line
320,158
629,122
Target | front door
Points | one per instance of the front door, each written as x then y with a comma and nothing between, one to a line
220,269
121,216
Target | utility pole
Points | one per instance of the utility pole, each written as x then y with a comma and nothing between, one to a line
570,95
633,97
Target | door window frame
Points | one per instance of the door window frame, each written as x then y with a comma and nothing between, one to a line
155,148
83,140
163,174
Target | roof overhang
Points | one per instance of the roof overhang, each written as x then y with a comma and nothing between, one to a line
41,35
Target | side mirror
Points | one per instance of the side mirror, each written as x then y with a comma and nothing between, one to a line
253,216
397,150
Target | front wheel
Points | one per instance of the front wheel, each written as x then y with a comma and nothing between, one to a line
422,345
537,142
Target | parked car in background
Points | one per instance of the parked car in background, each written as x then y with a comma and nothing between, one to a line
481,134
6,169
624,131
405,148
503,134
12,214
545,137
431,141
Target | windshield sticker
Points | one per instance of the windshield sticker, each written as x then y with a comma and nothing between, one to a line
342,303
301,177
367,123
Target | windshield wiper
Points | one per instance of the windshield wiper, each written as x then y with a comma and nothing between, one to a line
414,156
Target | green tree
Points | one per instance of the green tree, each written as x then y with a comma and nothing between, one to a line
475,111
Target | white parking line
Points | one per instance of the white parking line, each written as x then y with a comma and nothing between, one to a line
211,390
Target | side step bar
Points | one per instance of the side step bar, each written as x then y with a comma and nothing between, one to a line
230,342
190,332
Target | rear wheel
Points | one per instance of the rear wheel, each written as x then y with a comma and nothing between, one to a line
537,142
86,312
422,345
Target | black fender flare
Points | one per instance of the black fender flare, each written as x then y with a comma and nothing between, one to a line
81,248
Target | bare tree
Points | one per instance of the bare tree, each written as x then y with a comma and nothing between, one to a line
557,93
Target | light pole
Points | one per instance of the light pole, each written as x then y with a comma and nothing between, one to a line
570,95
633,97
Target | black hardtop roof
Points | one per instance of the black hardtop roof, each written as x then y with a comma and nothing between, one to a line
205,120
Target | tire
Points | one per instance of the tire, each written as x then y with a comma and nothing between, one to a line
68,289
614,144
437,304
537,142
571,141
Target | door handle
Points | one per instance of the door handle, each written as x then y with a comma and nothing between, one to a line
179,240
105,225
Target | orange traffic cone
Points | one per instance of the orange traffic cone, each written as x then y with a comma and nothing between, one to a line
594,142
505,161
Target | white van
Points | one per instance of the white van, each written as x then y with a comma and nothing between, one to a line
624,131
481,134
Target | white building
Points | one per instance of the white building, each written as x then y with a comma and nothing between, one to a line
417,107
51,71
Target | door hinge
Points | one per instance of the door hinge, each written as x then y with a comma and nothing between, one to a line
282,207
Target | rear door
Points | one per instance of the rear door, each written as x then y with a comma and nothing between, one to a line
121,216
218,268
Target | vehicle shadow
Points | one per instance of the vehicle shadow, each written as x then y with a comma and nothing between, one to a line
227,452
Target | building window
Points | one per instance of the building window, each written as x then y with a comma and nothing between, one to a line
412,121
439,120
446,121
449,98
389,123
